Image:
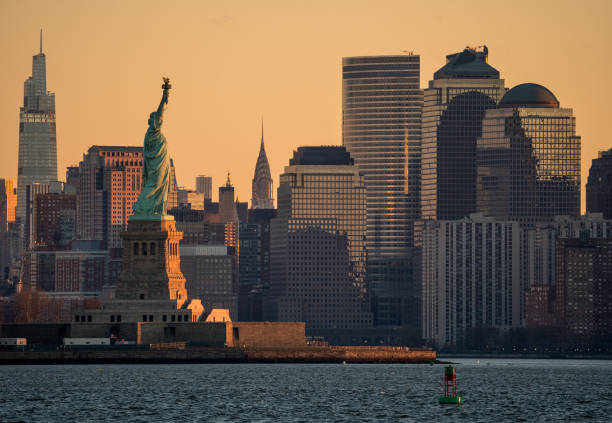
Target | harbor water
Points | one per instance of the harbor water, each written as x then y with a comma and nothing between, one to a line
493,390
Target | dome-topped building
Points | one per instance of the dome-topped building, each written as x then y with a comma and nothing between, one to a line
529,95
528,158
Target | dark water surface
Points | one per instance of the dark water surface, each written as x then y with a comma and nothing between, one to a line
493,391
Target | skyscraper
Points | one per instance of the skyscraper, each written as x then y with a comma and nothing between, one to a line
262,180
599,185
381,128
37,141
318,251
227,202
528,158
204,186
454,105
4,250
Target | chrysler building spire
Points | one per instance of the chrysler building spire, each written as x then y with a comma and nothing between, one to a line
262,180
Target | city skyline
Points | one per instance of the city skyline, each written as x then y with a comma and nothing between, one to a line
299,97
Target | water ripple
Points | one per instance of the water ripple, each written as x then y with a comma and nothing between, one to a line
494,390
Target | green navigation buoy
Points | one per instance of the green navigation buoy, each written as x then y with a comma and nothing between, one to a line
450,387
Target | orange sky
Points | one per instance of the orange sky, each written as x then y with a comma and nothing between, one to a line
233,61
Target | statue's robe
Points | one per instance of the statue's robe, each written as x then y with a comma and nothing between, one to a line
153,199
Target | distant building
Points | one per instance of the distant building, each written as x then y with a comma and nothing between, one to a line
191,224
84,267
110,180
5,257
32,192
37,135
242,210
262,217
262,180
211,274
191,199
8,201
544,297
72,180
317,261
583,287
599,185
250,255
454,105
227,202
471,279
528,158
174,188
55,219
204,186
249,260
381,128
540,243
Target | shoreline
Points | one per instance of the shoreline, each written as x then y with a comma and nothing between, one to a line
556,356
352,355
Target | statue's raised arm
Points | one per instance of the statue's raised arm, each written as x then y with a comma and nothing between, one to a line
162,104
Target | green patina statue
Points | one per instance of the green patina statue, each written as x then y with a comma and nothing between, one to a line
153,199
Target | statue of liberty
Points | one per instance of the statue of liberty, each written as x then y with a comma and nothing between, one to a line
153,199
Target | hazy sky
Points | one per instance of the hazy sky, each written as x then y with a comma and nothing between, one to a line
232,62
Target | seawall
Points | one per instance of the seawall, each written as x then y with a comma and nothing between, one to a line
307,354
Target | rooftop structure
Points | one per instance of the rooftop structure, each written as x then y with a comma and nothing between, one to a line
262,180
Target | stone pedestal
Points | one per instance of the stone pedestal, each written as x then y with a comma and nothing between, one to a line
151,286
151,263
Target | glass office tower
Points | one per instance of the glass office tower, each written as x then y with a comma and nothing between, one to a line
529,158
454,105
37,141
381,128
317,257
599,185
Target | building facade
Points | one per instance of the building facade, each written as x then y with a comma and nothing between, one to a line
54,220
599,185
33,191
528,158
583,286
381,128
8,200
204,186
454,106
227,202
471,279
110,180
211,273
37,134
81,268
318,252
540,259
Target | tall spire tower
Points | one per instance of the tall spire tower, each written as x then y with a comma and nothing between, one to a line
37,160
262,180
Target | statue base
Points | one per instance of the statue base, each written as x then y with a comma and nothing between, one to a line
151,286
151,218
151,262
